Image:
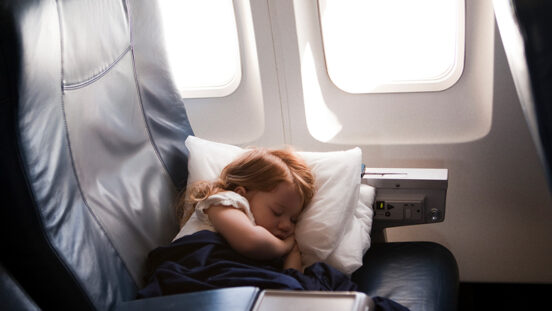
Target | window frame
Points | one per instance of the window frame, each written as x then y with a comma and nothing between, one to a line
440,83
214,90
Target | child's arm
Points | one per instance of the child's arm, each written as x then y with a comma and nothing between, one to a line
247,239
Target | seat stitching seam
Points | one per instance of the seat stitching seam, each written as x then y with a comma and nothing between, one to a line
78,85
140,99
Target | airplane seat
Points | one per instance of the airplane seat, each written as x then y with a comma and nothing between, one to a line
525,31
418,275
92,135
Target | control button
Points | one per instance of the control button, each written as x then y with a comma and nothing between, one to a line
387,214
380,204
389,206
435,215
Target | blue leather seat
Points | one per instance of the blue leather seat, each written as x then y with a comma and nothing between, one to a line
418,275
92,132
525,30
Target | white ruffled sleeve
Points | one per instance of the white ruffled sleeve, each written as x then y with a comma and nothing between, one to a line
226,198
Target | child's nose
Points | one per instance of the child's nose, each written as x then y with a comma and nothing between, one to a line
285,225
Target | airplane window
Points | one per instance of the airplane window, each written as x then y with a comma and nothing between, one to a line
202,44
374,46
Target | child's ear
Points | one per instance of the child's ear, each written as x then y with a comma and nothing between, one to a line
240,190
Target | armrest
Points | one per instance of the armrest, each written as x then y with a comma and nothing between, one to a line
418,275
273,299
234,298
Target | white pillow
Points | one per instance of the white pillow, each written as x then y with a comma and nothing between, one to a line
323,223
347,256
335,226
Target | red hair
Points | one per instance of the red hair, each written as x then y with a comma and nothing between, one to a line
256,170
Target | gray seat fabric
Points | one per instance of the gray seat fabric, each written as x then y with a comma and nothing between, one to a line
94,130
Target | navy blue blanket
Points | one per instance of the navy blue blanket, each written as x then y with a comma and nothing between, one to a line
205,260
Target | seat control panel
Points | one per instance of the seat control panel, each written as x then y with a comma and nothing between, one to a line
407,196
404,209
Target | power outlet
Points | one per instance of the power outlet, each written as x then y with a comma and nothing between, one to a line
412,209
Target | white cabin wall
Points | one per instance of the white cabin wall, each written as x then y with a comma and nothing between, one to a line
252,113
498,206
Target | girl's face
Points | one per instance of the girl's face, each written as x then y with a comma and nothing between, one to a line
277,210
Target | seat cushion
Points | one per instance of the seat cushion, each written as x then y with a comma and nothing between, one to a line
418,275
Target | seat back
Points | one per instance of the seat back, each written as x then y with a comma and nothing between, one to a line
525,32
93,154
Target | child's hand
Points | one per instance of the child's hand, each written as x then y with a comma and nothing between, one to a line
250,240
289,242
293,259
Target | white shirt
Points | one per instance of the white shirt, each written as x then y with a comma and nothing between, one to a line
199,219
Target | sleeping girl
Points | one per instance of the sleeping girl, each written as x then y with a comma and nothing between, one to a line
238,230
254,204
